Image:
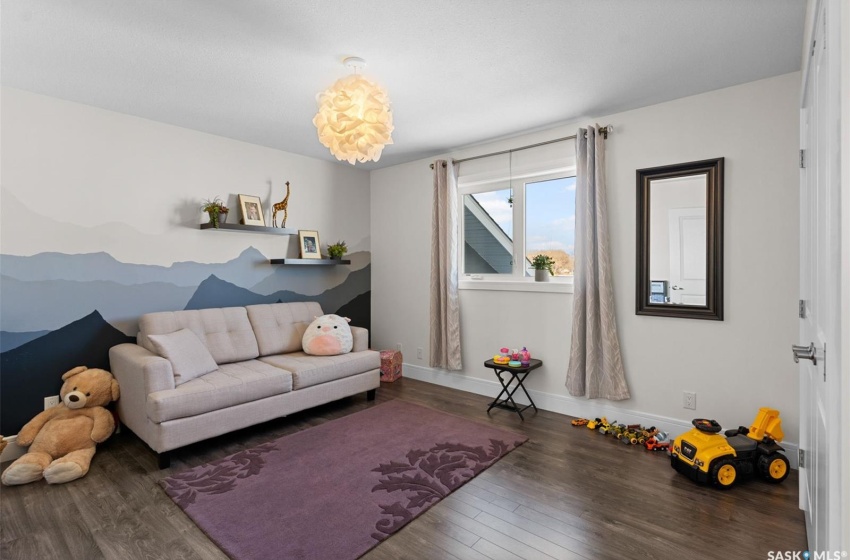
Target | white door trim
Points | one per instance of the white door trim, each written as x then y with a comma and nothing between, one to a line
843,29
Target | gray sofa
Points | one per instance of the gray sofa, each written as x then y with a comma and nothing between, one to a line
262,373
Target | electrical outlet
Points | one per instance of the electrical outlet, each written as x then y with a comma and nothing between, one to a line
398,346
419,353
50,402
689,400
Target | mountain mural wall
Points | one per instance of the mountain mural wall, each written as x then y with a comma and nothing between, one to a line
58,310
34,370
108,231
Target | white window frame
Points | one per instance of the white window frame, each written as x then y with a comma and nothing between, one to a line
517,280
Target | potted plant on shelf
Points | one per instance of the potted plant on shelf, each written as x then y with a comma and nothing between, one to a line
337,250
216,209
541,265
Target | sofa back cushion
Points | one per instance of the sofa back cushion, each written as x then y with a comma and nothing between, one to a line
226,332
279,327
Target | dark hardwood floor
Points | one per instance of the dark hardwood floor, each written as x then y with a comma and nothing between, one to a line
567,493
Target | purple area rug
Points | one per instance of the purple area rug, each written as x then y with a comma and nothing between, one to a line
338,489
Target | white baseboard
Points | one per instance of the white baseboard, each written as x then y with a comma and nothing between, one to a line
12,451
563,404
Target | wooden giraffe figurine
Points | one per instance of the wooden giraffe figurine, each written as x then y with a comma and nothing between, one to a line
281,206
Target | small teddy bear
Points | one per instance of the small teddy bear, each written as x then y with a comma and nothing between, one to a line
328,335
62,439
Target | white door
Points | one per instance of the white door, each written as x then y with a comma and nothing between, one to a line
819,292
687,255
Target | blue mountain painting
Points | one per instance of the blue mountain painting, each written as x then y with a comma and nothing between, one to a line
215,292
10,340
249,268
34,370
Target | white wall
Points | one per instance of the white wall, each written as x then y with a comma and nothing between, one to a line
84,179
734,366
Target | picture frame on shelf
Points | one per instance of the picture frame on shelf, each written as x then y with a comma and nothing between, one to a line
308,241
252,210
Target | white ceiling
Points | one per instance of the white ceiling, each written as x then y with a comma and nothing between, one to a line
458,72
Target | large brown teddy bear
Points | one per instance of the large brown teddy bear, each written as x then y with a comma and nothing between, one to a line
63,438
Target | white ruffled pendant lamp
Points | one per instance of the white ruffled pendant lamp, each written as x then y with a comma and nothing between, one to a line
354,120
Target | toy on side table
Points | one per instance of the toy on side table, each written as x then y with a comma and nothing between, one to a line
524,357
503,357
706,456
63,438
513,358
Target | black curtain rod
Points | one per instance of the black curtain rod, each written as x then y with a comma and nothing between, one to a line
604,130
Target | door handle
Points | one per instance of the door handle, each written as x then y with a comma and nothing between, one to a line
804,352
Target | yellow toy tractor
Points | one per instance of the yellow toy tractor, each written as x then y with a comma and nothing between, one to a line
706,456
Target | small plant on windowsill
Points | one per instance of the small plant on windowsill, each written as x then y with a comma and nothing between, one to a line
541,264
216,209
337,250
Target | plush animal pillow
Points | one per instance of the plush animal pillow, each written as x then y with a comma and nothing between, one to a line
328,335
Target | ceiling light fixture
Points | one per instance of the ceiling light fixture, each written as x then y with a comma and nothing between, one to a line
354,120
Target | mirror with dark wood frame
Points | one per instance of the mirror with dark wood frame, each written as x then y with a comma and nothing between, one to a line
680,240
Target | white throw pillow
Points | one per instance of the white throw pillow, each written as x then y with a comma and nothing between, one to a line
188,356
328,335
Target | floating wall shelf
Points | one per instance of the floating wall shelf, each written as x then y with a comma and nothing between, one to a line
252,229
314,262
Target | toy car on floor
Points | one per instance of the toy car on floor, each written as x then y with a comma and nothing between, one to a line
604,426
656,444
615,429
645,434
706,456
580,422
629,437
632,434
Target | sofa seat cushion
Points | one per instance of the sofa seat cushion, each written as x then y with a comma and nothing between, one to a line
230,385
313,370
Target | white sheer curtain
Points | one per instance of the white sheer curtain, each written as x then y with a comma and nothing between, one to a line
596,366
445,306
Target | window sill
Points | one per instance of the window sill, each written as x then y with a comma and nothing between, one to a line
554,286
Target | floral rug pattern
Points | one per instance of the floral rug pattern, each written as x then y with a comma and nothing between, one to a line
218,477
428,476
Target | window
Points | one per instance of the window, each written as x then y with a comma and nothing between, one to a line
488,232
550,222
511,210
